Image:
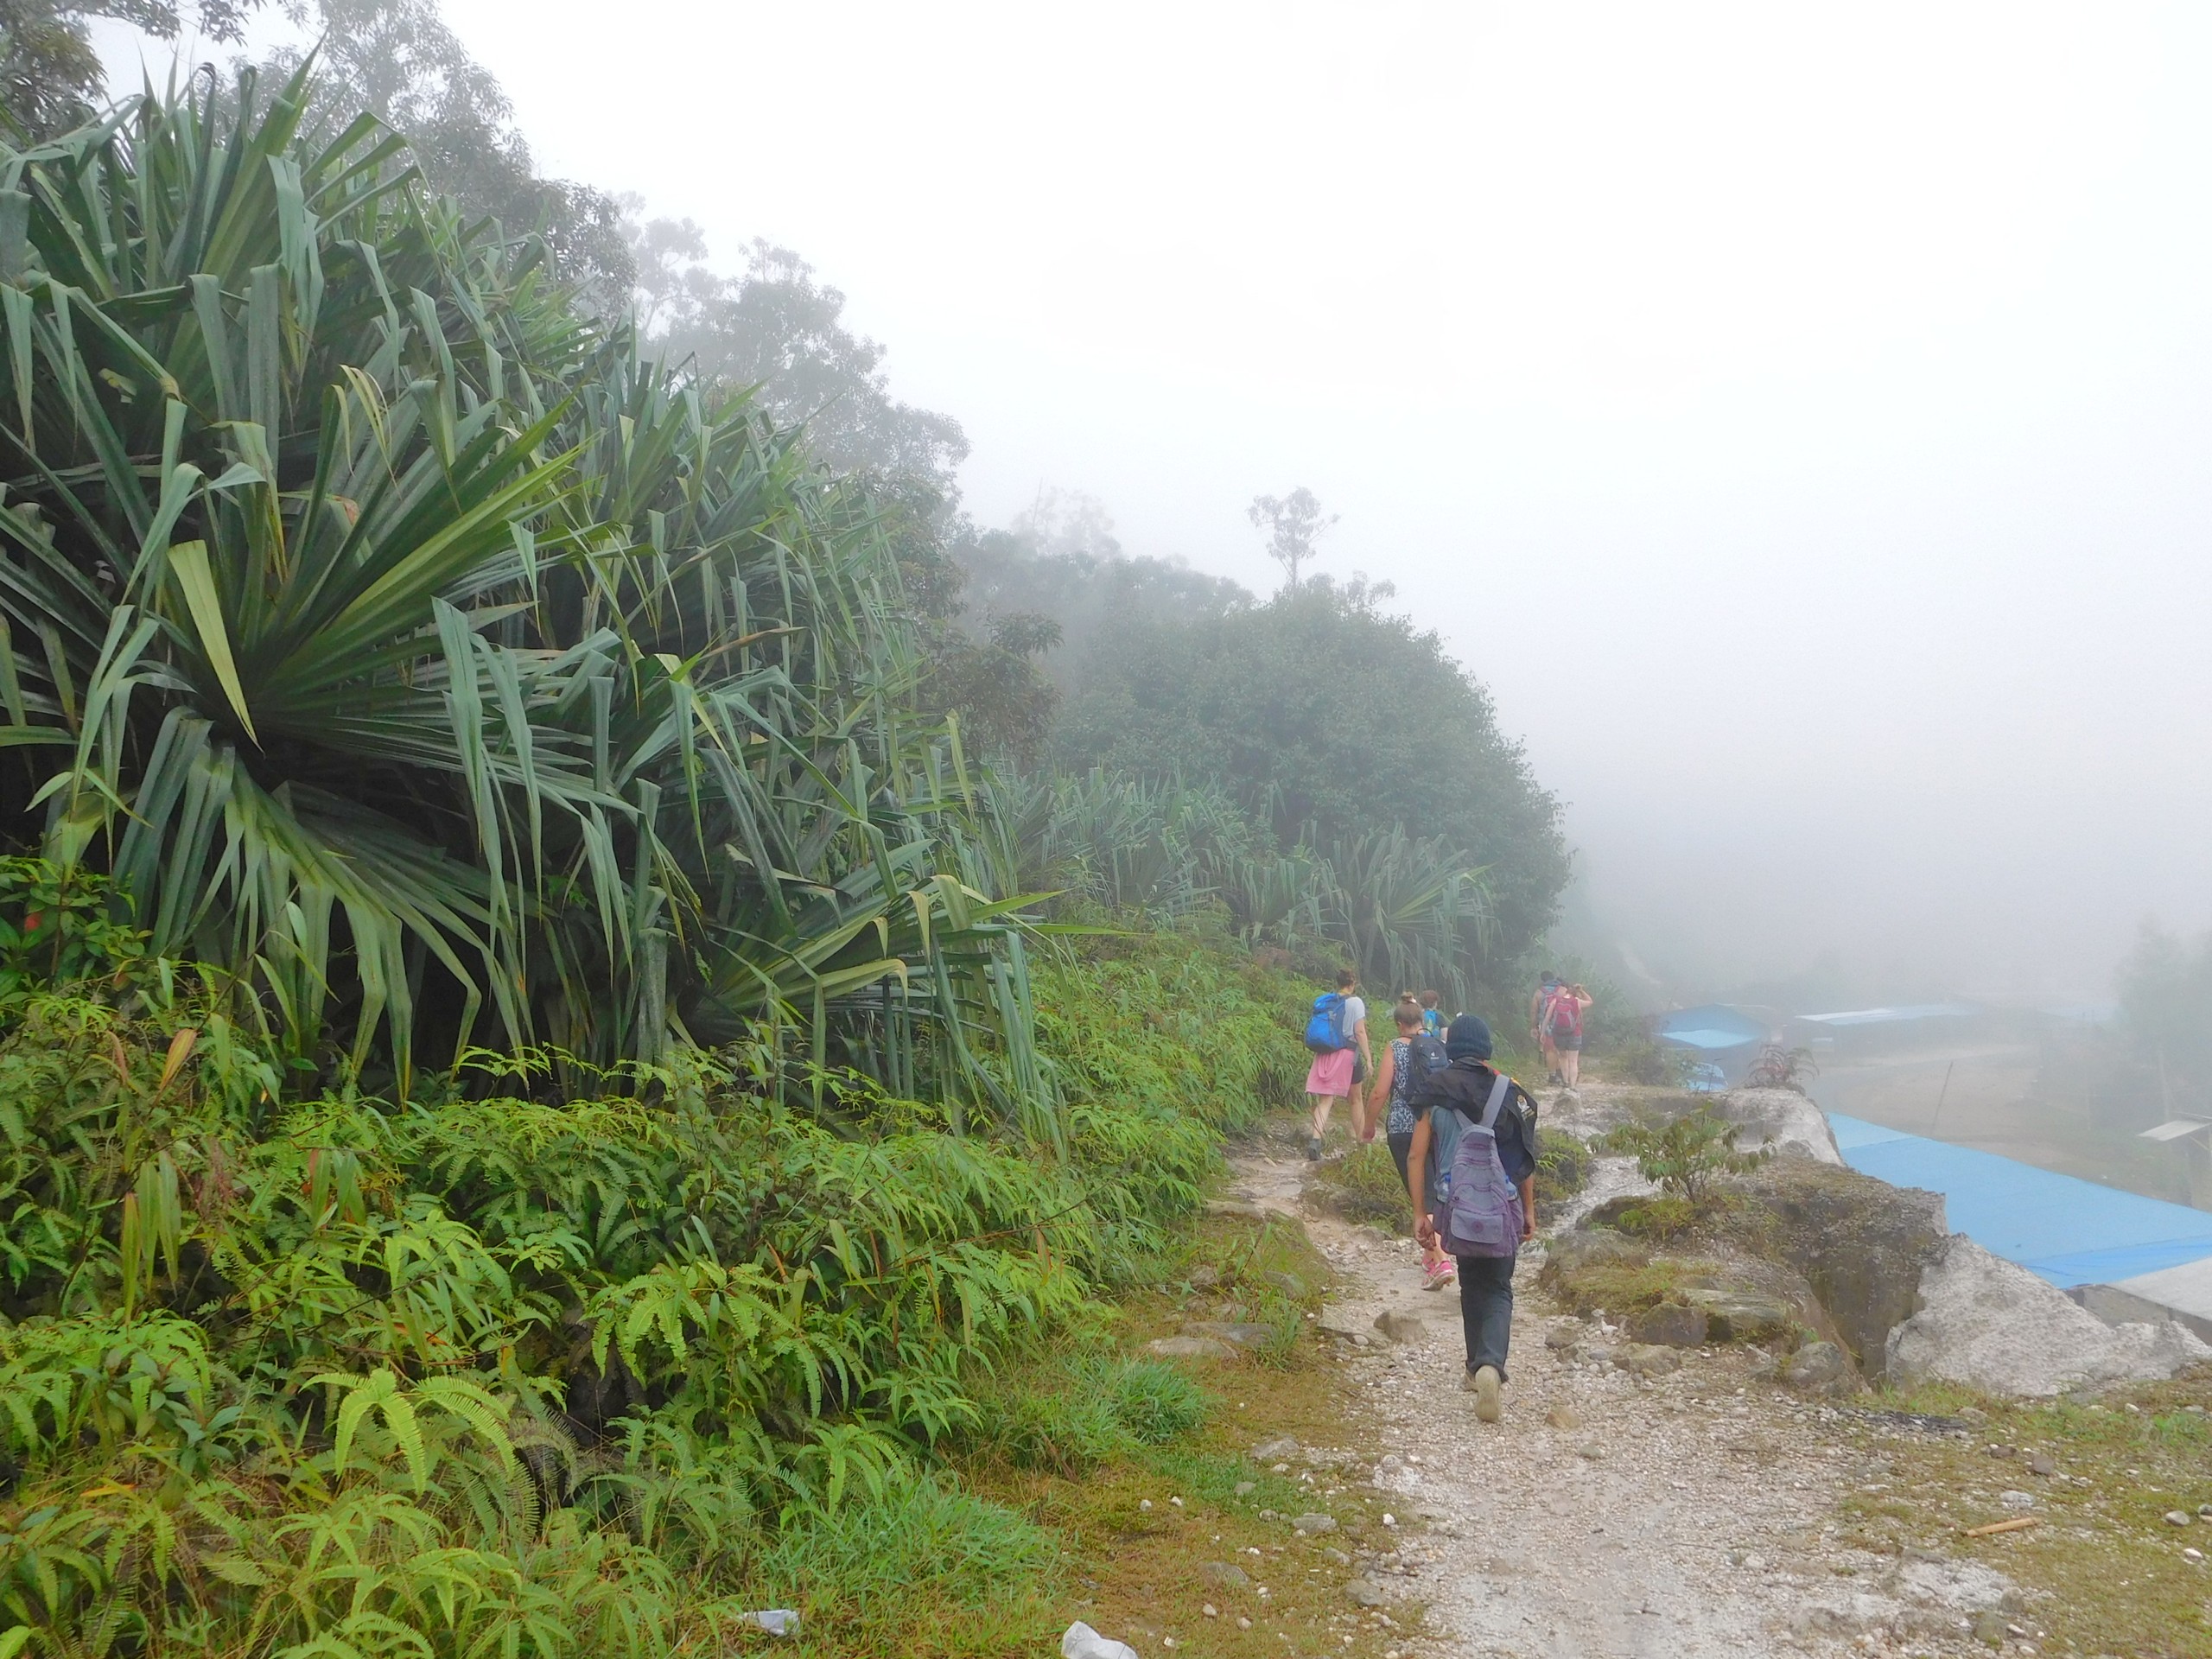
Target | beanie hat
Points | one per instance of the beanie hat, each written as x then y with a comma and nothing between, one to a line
1468,1038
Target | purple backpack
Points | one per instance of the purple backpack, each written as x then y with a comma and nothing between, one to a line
1482,1217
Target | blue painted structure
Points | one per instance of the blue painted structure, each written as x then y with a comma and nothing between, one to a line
2070,1231
1724,1040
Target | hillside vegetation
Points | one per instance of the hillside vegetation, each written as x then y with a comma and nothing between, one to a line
545,1088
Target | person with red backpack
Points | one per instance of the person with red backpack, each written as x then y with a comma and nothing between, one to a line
1563,1024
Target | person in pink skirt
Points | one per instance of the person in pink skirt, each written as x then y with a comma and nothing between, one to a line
1335,1075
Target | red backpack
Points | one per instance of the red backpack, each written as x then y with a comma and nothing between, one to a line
1563,1013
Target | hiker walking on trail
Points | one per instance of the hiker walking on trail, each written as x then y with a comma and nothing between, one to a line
1431,1018
1563,1023
1337,1033
1476,1127
1410,1055
1539,1025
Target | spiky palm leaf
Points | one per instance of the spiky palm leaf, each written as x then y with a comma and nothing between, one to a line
405,643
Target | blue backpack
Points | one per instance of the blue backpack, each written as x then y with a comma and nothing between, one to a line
1325,1028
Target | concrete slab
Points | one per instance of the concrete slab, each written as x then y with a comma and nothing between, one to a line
2185,1290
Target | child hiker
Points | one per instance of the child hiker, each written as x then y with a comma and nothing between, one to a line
1406,1056
1476,1125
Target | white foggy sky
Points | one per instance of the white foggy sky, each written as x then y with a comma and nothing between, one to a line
1798,419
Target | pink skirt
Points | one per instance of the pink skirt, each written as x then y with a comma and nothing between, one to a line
1331,1073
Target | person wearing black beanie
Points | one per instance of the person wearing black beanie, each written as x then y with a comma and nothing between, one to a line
1475,1126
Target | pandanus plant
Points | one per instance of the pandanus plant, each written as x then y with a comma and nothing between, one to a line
425,660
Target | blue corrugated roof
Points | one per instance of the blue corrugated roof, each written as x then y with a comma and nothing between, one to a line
2069,1230
1889,1016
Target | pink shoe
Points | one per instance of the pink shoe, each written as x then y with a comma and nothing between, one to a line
1437,1277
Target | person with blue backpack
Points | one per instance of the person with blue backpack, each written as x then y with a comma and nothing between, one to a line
1471,1173
1337,1033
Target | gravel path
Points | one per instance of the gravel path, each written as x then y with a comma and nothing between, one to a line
1693,1514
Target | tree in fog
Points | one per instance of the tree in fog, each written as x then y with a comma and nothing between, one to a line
777,327
398,60
50,76
2165,1009
1294,524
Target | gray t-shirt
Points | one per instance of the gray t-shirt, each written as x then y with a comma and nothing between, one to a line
1355,1012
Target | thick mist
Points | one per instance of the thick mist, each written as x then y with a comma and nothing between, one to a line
1799,422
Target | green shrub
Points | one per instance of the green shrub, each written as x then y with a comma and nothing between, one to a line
1366,1187
1081,1412
1155,1401
892,1565
1686,1154
1562,1168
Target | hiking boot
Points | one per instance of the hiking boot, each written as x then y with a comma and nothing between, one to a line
1484,1384
1556,1079
1313,1149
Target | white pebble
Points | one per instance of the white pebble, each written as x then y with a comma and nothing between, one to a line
1211,1611
1388,1519
1144,1503
1177,1501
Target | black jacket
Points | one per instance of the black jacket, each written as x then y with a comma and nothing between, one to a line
1466,1086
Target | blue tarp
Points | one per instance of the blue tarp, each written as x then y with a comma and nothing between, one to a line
2069,1230
1706,1038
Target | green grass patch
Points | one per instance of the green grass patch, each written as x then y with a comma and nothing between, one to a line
1365,1186
2116,1578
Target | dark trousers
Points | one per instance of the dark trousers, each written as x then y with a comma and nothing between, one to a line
1486,1308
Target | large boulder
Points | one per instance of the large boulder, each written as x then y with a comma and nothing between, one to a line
1992,1324
1861,1243
1780,1121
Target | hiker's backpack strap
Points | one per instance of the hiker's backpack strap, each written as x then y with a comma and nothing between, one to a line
1498,1092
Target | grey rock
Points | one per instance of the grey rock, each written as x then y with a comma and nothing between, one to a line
1189,1348
2042,1463
1081,1641
1337,1556
1742,1315
2017,1500
1818,1368
1246,1488
1227,1575
1364,1592
1236,1207
1669,1325
1562,1337
1848,1617
1204,1276
2178,1517
1275,1450
1244,1336
1341,1324
1314,1523
1289,1283
1646,1359
1404,1328
1593,1248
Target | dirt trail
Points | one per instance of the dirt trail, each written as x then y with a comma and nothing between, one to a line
1690,1515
